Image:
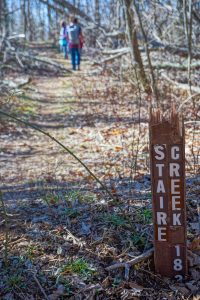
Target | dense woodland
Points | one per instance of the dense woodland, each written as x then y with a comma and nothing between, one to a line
75,193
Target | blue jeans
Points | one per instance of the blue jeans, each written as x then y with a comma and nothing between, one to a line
75,57
65,51
64,47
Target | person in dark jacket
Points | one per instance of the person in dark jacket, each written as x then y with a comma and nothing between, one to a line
74,33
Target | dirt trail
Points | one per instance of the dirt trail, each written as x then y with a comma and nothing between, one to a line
46,102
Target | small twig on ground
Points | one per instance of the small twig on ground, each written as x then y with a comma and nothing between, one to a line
133,261
6,243
75,240
156,276
188,99
192,122
181,86
16,241
40,287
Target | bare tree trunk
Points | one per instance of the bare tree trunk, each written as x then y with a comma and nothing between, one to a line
25,19
13,22
49,20
4,17
30,22
41,22
95,32
1,16
97,13
79,4
87,7
188,34
133,44
190,44
118,15
153,81
185,18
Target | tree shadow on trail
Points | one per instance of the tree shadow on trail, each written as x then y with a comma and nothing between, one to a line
37,190
80,120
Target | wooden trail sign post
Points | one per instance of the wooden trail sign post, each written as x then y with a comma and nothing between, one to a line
167,152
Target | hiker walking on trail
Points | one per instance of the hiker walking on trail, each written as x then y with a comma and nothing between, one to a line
74,32
63,39
81,39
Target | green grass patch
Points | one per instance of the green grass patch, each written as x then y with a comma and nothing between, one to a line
144,216
74,196
26,105
52,198
116,220
79,267
72,213
15,281
27,109
68,288
24,97
61,110
33,251
138,240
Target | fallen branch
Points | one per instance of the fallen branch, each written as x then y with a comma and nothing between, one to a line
55,8
6,242
155,46
133,261
159,44
8,86
180,51
116,34
181,85
116,51
108,59
185,101
40,287
177,66
192,122
73,9
27,58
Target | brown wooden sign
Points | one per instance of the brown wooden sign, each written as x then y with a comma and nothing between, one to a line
168,193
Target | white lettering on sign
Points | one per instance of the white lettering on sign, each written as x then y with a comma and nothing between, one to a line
175,202
179,277
174,169
160,169
160,187
178,264
176,219
175,184
169,198
160,151
161,218
161,202
175,152
178,251
162,234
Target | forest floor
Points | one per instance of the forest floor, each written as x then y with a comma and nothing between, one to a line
63,229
